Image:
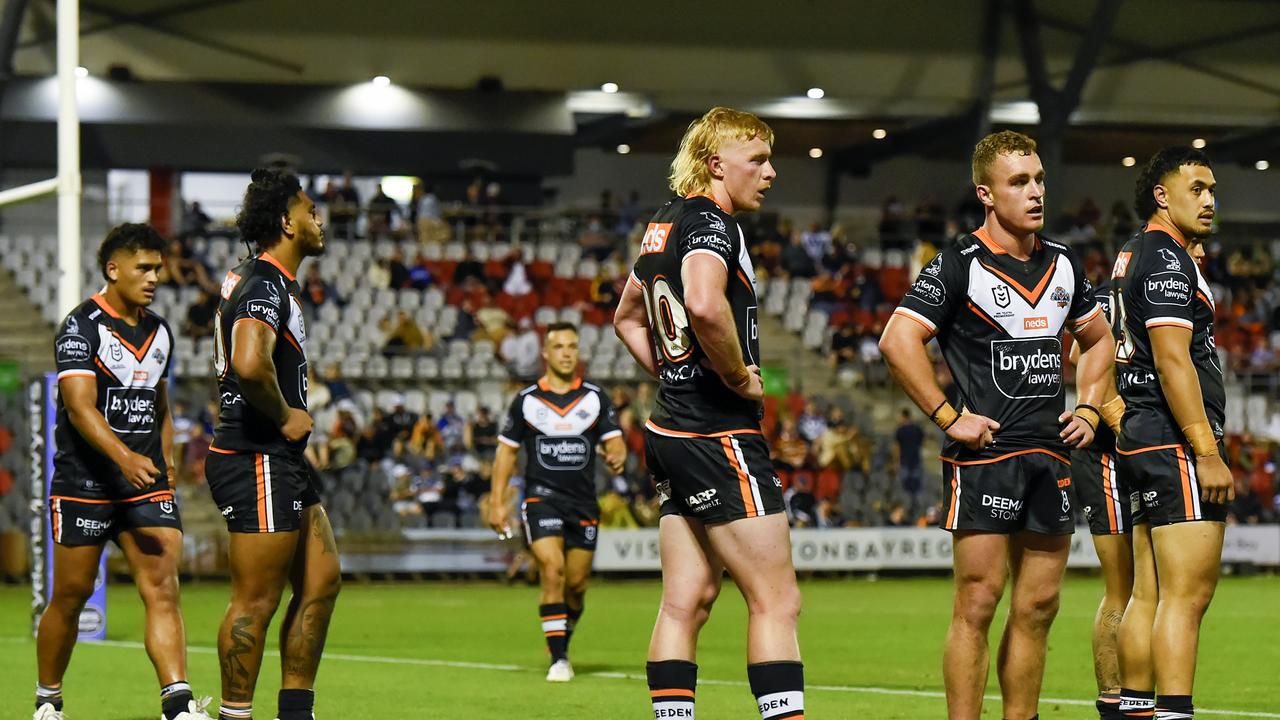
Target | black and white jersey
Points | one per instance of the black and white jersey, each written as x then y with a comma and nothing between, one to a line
259,290
999,322
1104,440
692,399
1157,283
559,433
128,362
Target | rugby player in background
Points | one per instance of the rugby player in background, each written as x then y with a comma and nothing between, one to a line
998,301
558,422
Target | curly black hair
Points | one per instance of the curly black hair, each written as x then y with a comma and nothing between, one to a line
130,237
1160,166
266,200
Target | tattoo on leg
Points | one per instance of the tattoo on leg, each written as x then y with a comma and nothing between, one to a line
323,532
236,676
305,643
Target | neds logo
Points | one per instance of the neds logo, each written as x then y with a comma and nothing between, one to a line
1035,323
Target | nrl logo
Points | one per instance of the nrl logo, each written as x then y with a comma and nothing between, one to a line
1001,295
1060,296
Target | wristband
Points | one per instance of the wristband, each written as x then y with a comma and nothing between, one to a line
1202,440
1089,414
1112,412
944,416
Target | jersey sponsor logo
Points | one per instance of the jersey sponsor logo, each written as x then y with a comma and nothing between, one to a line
1168,288
1000,293
1122,264
1002,508
1035,323
1027,368
929,289
264,311
714,221
1064,482
130,410
701,497
715,241
1060,296
563,453
1170,260
91,619
141,376
655,238
753,335
677,374
552,523
72,349
969,250
229,284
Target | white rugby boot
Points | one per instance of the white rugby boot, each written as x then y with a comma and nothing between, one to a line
560,671
47,712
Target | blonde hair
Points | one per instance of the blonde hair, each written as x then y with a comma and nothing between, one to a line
704,138
1005,142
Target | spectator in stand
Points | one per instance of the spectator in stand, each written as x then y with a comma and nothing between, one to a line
833,448
795,261
931,220
340,450
378,276
420,277
521,351
405,337
628,214
604,289
384,212
372,445
484,434
908,441
344,208
1120,222
790,452
398,274
315,291
425,441
201,314
404,493
595,240
801,503
844,346
455,432
399,421
181,268
332,378
517,281
816,243
195,222
469,271
893,225
812,423
615,511
492,322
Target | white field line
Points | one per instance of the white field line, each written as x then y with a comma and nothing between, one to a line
427,662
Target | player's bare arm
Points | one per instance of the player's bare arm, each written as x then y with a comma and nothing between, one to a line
615,454
631,325
504,464
1112,407
1095,371
1171,348
80,395
252,346
711,319
903,347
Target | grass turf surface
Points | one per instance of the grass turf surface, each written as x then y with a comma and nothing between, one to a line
405,651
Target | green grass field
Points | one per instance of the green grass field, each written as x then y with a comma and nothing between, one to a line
464,651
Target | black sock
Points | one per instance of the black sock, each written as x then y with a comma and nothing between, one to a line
671,686
555,624
1174,707
1137,703
779,689
1108,706
46,695
574,615
175,698
297,704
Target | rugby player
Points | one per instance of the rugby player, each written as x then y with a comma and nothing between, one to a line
267,492
1104,495
111,478
558,422
998,301
688,316
1171,447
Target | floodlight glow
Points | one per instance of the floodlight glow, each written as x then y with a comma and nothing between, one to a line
815,153
623,149
879,133
82,72
609,87
1262,165
1198,143
816,93
1128,161
382,81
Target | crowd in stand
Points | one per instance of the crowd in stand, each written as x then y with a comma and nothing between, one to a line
833,471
